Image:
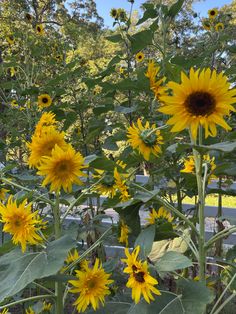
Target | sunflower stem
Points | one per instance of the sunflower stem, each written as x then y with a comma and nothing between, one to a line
201,205
57,230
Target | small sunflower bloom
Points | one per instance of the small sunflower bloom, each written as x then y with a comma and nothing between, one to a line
10,39
62,169
124,233
21,223
44,100
189,165
142,283
114,13
162,215
3,193
30,311
212,13
206,24
121,186
155,85
219,27
14,103
203,98
28,17
146,139
72,257
12,71
121,14
46,306
92,286
39,29
139,56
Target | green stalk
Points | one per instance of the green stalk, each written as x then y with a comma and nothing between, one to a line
57,230
201,205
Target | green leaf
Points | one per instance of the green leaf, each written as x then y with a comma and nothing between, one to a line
114,38
114,308
175,8
103,163
110,143
171,261
141,40
195,296
150,12
166,303
145,240
17,270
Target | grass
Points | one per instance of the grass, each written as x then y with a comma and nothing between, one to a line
212,200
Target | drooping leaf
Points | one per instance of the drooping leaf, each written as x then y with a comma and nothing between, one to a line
171,261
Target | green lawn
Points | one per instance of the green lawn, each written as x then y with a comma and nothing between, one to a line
212,200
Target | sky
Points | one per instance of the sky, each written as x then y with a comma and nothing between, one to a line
104,7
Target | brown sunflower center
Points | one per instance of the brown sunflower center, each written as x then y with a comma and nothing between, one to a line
17,222
63,167
92,283
45,100
139,276
212,12
200,104
39,29
108,180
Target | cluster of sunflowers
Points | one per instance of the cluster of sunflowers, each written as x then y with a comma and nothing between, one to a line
118,14
209,23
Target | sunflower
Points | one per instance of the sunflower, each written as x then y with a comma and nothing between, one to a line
5,311
124,232
3,194
142,283
14,103
152,72
47,120
107,185
92,285
189,165
219,27
145,138
121,186
121,14
39,29
72,257
212,13
62,168
44,101
42,145
28,17
59,57
10,39
206,24
114,13
29,311
160,216
131,260
139,57
46,306
21,223
202,99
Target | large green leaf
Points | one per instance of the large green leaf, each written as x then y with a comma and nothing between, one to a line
195,296
145,240
175,8
17,270
141,40
171,261
166,303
